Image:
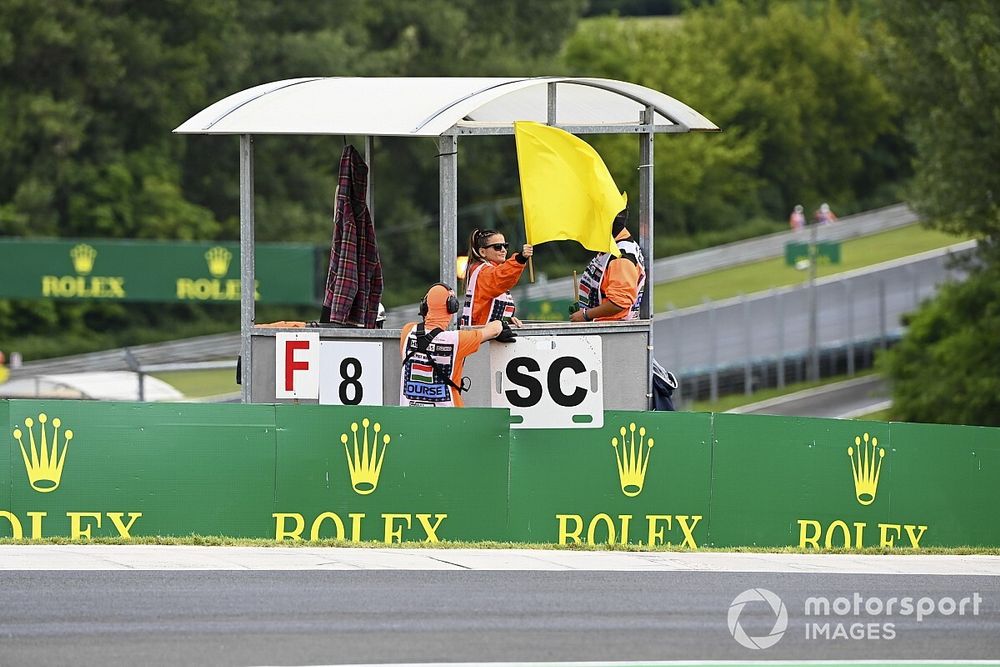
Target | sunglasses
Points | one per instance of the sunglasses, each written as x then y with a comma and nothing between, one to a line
497,246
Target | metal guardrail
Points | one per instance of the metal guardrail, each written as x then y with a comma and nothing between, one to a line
184,351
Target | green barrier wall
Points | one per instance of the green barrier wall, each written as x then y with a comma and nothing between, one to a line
140,469
438,477
290,472
947,478
571,486
784,480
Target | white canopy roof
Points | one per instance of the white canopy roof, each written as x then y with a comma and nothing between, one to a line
430,107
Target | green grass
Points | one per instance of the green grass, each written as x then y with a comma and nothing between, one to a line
202,383
770,273
877,416
736,400
220,541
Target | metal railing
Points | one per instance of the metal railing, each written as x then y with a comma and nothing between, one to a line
184,351
763,339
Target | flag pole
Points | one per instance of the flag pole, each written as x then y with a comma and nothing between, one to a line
531,265
576,289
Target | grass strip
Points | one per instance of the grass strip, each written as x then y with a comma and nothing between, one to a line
201,383
221,541
771,273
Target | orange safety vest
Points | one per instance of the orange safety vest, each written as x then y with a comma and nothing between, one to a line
501,306
425,375
591,282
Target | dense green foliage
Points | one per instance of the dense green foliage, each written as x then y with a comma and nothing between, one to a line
944,58
945,368
946,63
804,117
90,91
88,95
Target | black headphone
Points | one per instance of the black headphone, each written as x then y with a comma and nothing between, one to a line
451,304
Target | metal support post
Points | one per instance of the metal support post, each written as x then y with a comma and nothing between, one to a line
133,365
849,299
646,310
883,333
748,350
779,304
247,278
369,156
813,328
448,174
550,112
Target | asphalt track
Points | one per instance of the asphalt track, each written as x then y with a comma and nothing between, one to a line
318,608
844,400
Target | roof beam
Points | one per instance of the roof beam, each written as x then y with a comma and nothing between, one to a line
479,128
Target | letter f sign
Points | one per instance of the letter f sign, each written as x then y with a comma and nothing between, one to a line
296,365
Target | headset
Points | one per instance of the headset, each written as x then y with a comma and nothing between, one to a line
451,304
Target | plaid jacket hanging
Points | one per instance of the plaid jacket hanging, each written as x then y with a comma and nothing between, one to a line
354,278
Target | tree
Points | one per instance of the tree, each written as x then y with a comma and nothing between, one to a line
944,61
90,91
947,367
803,117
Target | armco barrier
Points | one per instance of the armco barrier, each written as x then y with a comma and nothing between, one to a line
87,469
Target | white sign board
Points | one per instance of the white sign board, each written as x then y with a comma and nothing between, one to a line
296,364
549,381
350,373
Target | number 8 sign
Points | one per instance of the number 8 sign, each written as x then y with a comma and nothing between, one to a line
350,373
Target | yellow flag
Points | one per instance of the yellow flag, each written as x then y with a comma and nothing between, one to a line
566,190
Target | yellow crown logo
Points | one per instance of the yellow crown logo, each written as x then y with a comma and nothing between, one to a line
866,466
45,464
218,259
366,463
632,459
83,257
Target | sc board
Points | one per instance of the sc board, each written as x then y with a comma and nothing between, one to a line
549,381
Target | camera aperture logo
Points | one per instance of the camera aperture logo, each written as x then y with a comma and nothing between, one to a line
780,618
847,617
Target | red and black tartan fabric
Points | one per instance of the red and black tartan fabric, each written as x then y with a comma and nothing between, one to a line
354,278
